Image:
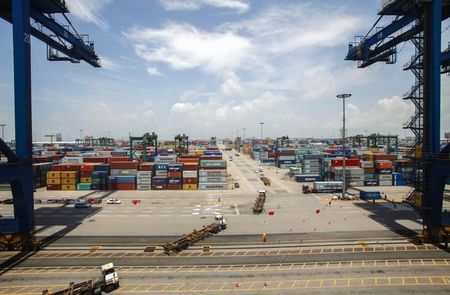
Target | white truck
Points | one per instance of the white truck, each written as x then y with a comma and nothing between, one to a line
109,281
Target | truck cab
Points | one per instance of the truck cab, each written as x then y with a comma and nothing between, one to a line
221,221
262,193
110,276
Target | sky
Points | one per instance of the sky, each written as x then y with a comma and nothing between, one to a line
214,67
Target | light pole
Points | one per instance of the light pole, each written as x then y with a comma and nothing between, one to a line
3,131
81,134
243,133
262,124
344,185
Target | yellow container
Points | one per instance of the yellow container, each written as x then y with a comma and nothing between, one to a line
68,181
68,187
69,174
189,187
86,179
53,174
53,180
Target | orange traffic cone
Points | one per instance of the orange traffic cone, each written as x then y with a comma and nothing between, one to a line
264,237
237,284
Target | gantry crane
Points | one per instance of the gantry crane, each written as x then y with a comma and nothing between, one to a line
283,141
32,18
141,143
374,140
181,144
418,21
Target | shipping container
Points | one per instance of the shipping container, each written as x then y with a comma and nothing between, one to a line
190,187
212,186
370,195
307,178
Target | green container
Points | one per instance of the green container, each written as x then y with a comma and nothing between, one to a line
84,186
99,181
213,164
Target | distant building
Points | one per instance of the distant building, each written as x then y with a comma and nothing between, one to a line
58,137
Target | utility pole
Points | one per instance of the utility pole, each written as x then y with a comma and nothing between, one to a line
344,185
81,134
262,124
3,131
243,133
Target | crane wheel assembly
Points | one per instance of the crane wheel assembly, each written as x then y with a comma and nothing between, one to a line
18,242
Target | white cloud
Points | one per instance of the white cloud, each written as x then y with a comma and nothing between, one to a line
89,11
386,116
109,64
152,71
182,107
191,5
183,46
231,84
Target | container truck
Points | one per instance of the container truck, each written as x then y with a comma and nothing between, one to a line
185,241
323,187
108,281
259,202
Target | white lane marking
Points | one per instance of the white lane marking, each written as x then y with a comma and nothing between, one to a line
316,197
196,209
237,209
195,213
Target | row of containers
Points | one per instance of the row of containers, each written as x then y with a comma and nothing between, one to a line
369,170
363,168
187,172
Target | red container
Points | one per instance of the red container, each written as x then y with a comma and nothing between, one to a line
124,165
190,180
384,157
118,159
122,186
87,167
383,164
213,168
58,167
85,173
146,167
56,157
207,157
175,174
95,160
158,187
369,170
190,166
174,186
53,187
348,162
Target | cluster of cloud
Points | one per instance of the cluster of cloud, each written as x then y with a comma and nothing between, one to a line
282,57
191,5
89,11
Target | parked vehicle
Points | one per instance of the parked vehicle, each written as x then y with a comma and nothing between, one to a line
82,204
114,201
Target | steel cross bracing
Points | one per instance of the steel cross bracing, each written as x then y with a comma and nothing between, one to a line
418,21
31,18
143,143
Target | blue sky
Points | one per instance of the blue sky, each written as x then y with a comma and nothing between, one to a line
211,67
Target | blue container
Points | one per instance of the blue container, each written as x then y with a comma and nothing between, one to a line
372,182
161,167
287,161
175,180
101,167
383,171
373,195
99,174
126,179
307,178
175,167
159,180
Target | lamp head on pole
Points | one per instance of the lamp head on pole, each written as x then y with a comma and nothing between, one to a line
343,95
